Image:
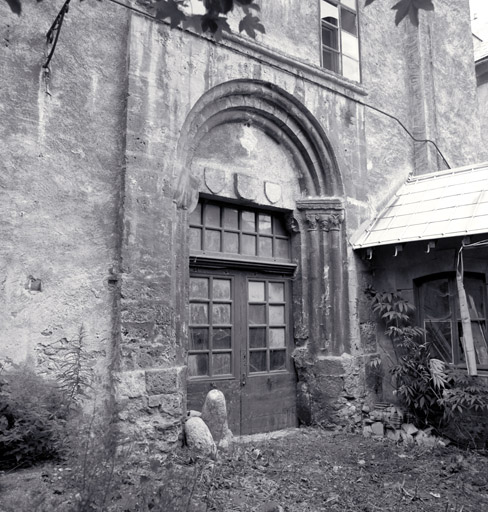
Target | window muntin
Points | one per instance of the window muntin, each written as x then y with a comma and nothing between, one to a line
211,329
339,34
237,232
441,317
267,325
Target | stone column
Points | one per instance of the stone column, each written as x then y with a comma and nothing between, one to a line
323,265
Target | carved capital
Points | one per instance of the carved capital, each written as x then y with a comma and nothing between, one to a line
311,220
331,221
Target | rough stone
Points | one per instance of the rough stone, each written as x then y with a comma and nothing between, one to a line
214,414
270,506
394,435
194,414
410,429
198,437
424,439
378,429
130,384
367,431
162,381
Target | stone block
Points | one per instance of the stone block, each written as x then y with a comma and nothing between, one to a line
394,435
168,404
131,384
367,431
332,365
409,429
163,381
378,429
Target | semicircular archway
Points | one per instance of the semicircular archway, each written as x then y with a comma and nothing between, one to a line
275,112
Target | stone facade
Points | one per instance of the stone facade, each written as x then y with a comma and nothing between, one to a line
105,155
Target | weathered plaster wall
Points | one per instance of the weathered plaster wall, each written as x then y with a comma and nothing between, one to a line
482,92
61,161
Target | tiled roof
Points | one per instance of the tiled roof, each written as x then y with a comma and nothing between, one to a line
437,205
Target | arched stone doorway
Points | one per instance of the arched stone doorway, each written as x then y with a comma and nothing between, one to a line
250,150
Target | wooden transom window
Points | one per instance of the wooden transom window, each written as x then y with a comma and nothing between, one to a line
236,232
340,37
441,318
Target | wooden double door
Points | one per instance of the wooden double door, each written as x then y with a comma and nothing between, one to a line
240,342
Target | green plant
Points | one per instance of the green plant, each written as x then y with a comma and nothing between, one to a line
455,404
35,409
31,419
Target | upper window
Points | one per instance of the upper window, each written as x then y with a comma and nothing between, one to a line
441,318
237,232
340,42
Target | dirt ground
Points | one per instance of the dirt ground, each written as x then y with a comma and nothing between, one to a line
301,470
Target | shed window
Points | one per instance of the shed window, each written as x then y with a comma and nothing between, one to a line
340,39
441,318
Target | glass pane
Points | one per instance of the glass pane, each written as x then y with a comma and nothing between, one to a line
348,21
350,68
350,3
222,338
329,11
221,289
198,314
257,314
248,245
256,291
459,357
436,299
480,342
196,239
330,37
221,364
265,224
439,334
248,221
265,247
212,240
279,227
257,362
198,288
277,338
330,60
231,242
282,249
276,315
212,215
277,360
221,314
196,215
197,365
231,218
475,295
350,45
198,339
257,337
276,292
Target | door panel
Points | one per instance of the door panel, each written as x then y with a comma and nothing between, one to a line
241,343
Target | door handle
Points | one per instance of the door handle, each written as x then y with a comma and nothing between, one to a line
243,380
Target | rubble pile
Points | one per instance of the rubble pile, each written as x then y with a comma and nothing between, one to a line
391,422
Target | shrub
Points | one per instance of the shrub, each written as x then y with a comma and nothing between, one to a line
455,404
31,419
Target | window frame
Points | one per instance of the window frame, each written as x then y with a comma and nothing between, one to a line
339,52
454,319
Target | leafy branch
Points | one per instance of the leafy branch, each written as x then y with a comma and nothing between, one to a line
408,8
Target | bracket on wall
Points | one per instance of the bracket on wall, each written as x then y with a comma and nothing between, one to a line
369,253
430,245
398,249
